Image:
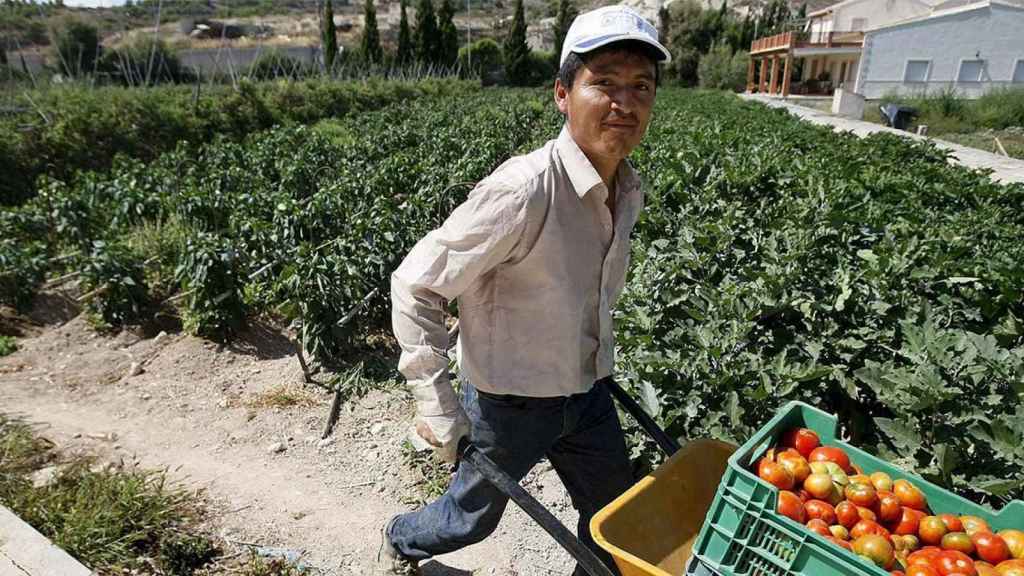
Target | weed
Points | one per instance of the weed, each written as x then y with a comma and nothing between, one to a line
7,345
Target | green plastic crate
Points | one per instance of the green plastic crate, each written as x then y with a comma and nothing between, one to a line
744,535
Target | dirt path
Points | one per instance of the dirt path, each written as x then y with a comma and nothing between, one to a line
192,411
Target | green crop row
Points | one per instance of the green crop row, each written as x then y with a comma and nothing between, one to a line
65,129
775,260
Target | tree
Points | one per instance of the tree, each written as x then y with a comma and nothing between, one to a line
566,14
448,36
664,23
370,45
77,45
516,51
481,58
329,33
405,47
424,38
720,69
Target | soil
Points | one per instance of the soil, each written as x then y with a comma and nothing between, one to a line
195,410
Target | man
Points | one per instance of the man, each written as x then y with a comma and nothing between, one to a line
537,256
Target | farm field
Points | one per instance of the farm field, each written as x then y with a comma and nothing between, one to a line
775,261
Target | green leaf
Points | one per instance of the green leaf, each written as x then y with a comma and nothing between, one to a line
903,437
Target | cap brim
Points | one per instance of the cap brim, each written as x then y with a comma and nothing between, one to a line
599,41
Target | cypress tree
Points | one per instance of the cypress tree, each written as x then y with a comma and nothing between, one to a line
515,51
405,47
329,36
370,44
566,14
424,38
448,36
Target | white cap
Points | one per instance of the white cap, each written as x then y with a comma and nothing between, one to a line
602,26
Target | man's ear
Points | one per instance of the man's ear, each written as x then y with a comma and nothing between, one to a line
561,97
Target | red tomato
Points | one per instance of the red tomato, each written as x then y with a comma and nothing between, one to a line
876,548
821,510
990,547
791,506
775,474
796,464
866,514
863,495
865,527
953,523
925,556
888,508
846,514
831,454
921,570
931,529
909,521
819,526
804,440
974,524
952,562
909,495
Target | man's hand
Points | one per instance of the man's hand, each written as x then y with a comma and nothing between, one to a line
443,433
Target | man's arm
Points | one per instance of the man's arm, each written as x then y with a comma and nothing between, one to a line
480,234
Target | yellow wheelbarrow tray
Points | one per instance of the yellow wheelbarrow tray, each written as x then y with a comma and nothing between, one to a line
650,528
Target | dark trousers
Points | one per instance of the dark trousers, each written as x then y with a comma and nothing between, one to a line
579,434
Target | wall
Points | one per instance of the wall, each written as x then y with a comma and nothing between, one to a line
878,13
992,32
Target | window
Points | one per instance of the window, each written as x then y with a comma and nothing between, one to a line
970,70
859,24
917,70
1018,72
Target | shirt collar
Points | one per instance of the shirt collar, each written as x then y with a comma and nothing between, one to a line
583,175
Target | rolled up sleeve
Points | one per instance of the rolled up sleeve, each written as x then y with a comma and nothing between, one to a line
480,234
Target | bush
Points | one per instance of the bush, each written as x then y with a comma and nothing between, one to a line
275,64
114,278
76,46
541,68
683,68
482,59
8,345
143,62
720,69
1000,109
210,273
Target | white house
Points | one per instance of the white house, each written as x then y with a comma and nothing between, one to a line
970,47
876,47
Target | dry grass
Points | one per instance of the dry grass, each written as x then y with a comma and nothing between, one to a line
282,396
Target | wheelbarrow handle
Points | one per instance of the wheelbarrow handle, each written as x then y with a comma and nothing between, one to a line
668,444
470,454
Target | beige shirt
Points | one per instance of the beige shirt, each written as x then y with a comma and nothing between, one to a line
537,262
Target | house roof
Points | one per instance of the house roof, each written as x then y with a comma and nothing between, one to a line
951,7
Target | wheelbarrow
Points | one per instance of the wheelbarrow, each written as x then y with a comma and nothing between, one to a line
649,529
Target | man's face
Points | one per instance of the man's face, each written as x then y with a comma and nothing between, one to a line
610,103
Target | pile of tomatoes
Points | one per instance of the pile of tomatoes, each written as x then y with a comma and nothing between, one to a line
888,522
